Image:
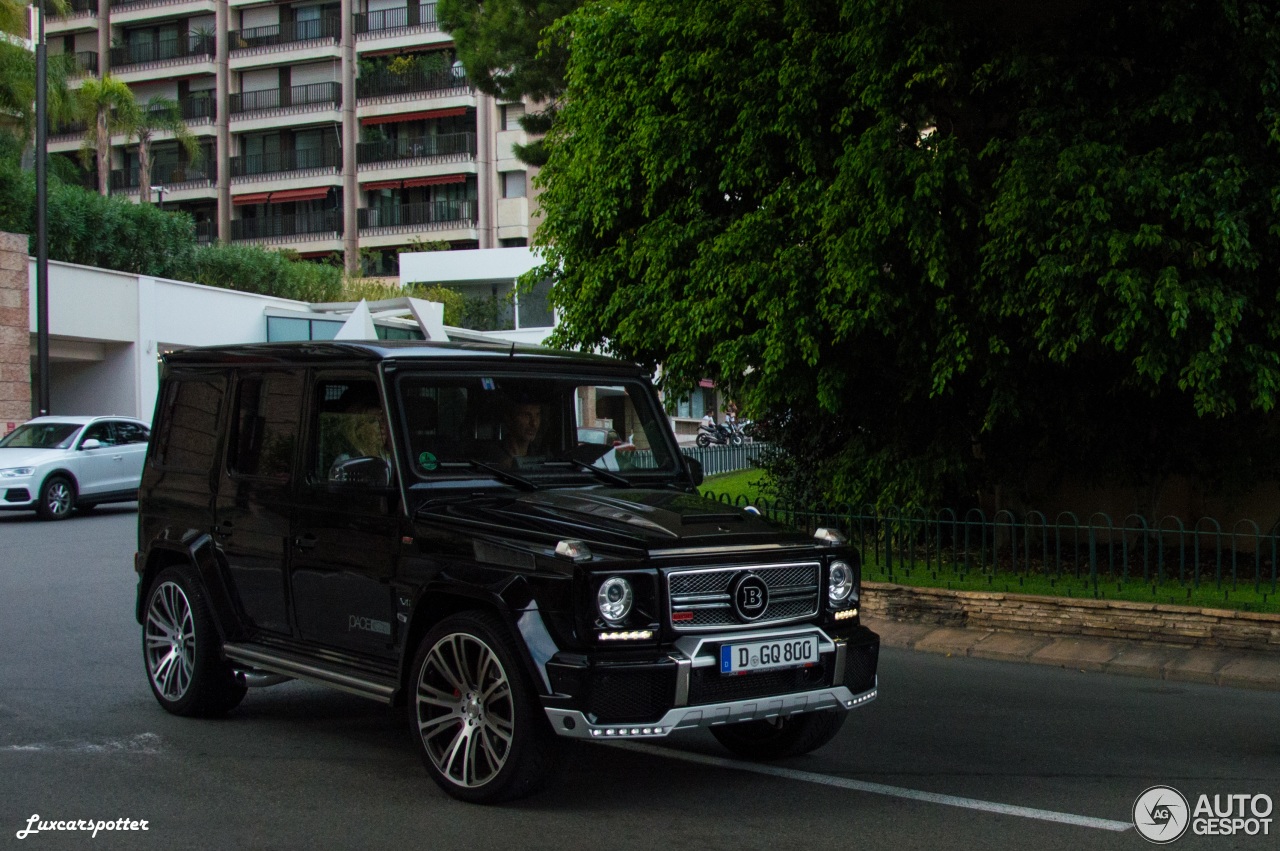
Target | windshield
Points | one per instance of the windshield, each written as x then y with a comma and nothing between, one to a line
528,427
41,436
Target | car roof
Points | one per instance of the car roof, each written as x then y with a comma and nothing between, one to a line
316,351
78,420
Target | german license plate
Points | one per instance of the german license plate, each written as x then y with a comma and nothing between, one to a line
764,655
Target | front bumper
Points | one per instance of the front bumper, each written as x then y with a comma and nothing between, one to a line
683,689
17,494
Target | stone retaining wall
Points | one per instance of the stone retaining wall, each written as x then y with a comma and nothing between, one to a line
1147,623
15,332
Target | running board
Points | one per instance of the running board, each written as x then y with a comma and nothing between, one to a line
381,689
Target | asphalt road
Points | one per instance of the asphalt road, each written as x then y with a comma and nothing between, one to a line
956,753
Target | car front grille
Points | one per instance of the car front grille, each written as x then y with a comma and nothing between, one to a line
701,599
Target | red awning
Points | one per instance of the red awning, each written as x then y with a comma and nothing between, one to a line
255,198
706,382
413,116
404,51
312,194
382,184
435,181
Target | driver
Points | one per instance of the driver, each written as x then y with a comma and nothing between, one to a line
521,427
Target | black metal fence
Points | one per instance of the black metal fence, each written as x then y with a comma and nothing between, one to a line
460,146
1098,550
329,27
308,95
432,215
326,156
163,49
385,83
725,459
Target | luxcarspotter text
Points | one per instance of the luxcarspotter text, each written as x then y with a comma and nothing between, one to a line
35,825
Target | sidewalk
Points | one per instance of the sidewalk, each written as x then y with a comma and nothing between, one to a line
1239,669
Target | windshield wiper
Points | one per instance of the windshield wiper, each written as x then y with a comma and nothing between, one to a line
603,475
503,475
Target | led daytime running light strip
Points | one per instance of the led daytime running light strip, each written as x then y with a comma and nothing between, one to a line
846,614
632,635
630,731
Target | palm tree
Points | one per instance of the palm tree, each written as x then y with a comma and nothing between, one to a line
161,114
109,108
18,74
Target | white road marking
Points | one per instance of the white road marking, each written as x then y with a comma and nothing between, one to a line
143,743
880,788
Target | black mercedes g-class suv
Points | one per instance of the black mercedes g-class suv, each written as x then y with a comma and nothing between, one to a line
506,539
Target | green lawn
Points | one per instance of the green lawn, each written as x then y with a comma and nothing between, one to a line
743,483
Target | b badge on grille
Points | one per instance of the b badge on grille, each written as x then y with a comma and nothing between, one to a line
750,597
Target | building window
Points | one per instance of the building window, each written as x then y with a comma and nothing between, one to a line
513,184
510,115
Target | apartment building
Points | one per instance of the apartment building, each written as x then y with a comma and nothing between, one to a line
324,127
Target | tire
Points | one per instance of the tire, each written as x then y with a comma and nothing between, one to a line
474,714
57,498
182,651
777,738
735,439
704,441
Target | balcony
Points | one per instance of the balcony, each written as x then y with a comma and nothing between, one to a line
446,147
284,34
84,63
314,94
432,83
80,7
421,16
324,222
206,232
170,50
168,175
431,215
285,161
199,109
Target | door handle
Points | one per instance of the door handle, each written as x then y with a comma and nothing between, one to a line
117,457
306,542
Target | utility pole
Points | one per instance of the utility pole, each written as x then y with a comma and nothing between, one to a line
41,400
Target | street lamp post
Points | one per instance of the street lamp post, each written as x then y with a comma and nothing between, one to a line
42,224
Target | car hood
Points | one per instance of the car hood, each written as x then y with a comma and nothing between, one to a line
632,518
26,456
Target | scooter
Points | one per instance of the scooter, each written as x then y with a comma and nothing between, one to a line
720,434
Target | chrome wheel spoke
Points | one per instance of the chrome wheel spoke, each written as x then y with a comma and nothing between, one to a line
169,641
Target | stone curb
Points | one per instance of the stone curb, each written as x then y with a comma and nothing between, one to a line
1238,669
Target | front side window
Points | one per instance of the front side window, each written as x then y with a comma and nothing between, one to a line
352,444
534,426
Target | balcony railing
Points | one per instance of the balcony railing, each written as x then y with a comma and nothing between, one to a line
311,94
162,50
85,62
68,128
81,7
199,108
275,163
414,15
298,224
444,146
206,232
383,83
169,174
431,215
328,27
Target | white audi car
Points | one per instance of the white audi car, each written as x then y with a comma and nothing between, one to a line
51,465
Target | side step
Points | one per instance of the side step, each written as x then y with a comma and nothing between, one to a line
348,679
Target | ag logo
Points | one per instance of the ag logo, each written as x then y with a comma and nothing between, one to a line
1161,815
750,597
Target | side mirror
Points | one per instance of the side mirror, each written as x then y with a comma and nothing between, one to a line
366,471
693,467
91,443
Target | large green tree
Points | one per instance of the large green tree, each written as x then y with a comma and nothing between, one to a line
943,246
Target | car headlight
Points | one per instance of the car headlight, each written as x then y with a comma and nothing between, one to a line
16,472
840,582
614,599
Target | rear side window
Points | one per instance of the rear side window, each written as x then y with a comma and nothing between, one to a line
188,439
127,432
265,426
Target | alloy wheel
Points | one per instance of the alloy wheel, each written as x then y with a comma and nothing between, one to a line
170,641
58,498
465,710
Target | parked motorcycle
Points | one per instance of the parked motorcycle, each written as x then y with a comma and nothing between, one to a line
720,434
